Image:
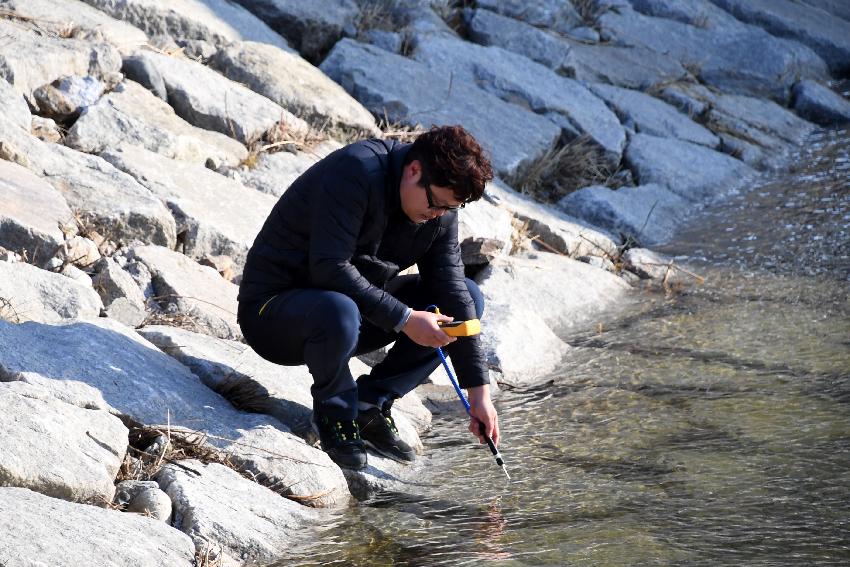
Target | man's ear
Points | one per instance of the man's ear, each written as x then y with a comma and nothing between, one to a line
415,169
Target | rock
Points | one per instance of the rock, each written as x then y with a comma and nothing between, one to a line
30,59
198,49
828,36
127,312
58,449
517,79
15,106
65,98
385,82
632,67
202,201
131,115
584,34
49,531
145,498
648,214
80,251
741,60
294,84
216,21
144,71
273,173
196,291
564,234
84,21
492,29
485,232
235,519
32,294
380,475
205,99
836,7
648,264
648,115
552,14
820,104
221,264
114,284
386,40
697,13
46,130
32,214
76,274
312,28
691,171
597,262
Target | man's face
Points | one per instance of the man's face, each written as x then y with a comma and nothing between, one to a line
415,197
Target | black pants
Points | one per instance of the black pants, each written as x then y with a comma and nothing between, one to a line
323,329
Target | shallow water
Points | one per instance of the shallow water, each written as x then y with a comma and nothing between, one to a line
710,425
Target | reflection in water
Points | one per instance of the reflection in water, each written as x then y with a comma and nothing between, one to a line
710,427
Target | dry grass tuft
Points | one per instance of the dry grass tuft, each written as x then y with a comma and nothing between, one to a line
8,311
398,130
379,15
589,10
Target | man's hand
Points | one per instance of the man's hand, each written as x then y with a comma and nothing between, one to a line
481,410
422,328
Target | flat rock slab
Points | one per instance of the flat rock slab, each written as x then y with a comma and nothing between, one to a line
493,29
387,83
648,115
197,291
820,104
209,100
132,115
40,530
693,172
32,294
235,519
86,21
551,14
312,28
273,173
647,213
32,213
58,449
216,21
518,79
828,36
30,59
632,67
15,106
294,84
202,201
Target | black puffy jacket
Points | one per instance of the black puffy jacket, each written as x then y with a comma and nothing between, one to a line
340,227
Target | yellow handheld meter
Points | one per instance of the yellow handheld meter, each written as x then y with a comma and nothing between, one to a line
461,328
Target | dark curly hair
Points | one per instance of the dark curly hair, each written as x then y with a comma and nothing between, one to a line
451,157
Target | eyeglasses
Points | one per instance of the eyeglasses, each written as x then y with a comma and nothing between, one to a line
430,196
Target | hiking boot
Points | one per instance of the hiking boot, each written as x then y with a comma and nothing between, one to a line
379,432
341,441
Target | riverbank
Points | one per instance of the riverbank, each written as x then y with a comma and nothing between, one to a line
144,143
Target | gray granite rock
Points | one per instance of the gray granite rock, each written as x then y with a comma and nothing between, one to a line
15,106
312,28
647,213
65,98
186,287
552,14
649,115
486,223
294,84
145,498
30,59
208,100
233,518
632,67
216,21
79,251
48,531
33,294
648,264
517,79
58,449
202,202
835,7
46,130
273,173
32,214
827,35
820,104
132,115
492,29
698,13
693,172
144,71
387,83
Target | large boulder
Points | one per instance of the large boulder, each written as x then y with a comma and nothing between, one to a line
32,294
32,214
313,28
85,21
820,104
56,448
294,84
15,106
132,115
648,213
693,172
190,289
390,84
216,21
206,99
215,215
828,36
230,518
30,58
552,14
649,115
632,67
40,530
517,79
122,297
